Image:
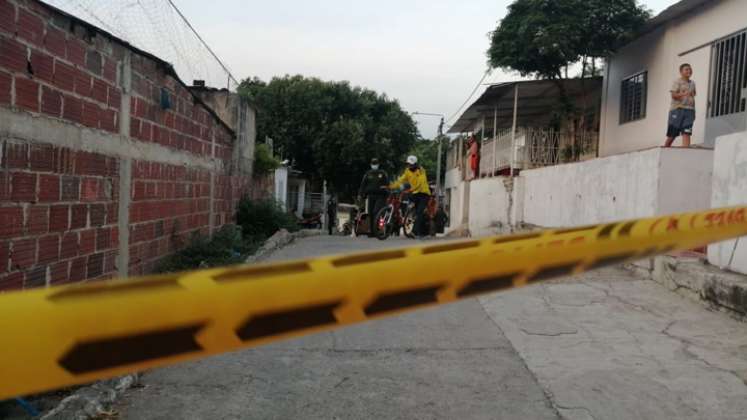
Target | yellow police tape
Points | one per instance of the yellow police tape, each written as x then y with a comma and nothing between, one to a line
76,334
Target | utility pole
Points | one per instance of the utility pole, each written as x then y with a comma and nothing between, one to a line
439,139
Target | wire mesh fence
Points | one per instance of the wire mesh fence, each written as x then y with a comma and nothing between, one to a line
155,26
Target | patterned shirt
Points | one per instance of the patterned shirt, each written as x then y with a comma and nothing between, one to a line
683,86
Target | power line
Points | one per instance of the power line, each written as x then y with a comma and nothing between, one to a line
203,42
477,86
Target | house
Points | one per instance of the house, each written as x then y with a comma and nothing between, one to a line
711,35
544,136
632,177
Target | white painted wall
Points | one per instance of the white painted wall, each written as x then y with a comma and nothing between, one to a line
660,53
600,190
639,184
281,186
489,206
730,189
455,186
685,180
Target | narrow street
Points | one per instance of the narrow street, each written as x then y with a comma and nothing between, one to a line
605,345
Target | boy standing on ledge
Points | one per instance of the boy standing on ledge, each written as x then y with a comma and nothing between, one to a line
682,111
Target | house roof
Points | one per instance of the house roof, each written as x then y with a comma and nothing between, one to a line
537,100
673,12
168,67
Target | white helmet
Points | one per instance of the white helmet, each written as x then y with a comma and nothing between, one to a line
412,160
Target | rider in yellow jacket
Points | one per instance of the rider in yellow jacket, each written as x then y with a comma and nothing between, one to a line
416,177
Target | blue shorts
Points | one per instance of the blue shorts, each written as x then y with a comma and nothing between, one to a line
680,122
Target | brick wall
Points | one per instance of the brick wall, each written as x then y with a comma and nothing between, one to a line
61,213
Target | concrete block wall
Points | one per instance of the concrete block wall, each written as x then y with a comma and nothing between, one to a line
108,162
730,189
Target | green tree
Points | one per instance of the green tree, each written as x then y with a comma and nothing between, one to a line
330,130
542,38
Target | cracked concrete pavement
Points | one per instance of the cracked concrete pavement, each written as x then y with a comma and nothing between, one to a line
604,345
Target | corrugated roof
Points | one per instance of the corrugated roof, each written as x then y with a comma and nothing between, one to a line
537,101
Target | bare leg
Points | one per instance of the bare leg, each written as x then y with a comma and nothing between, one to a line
669,142
685,140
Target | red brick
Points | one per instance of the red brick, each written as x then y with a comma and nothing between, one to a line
49,188
12,55
78,269
4,256
79,217
87,242
38,220
23,254
23,187
15,156
59,218
36,278
59,273
145,131
49,249
30,27
73,110
95,266
27,94
134,128
55,41
100,91
108,121
11,222
42,65
115,97
69,245
64,76
70,188
83,83
91,164
76,52
51,102
13,281
115,237
110,70
91,115
103,239
6,84
97,214
90,189
42,157
7,17
110,262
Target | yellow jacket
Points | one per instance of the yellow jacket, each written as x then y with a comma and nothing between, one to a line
417,179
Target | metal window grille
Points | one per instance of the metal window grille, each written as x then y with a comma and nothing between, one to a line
633,98
728,75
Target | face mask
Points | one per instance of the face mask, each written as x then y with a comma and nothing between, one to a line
375,167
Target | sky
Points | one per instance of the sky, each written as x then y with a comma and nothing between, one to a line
428,54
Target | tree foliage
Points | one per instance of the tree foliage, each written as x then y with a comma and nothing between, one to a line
331,130
542,37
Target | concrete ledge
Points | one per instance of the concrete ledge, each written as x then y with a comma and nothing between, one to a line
694,278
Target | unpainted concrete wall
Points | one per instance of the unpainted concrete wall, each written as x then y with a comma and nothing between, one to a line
730,189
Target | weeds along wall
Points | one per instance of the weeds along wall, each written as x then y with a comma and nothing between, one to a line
108,162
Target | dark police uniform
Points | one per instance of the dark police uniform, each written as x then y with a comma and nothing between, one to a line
372,187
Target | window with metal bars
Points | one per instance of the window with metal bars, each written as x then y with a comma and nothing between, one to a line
728,75
633,98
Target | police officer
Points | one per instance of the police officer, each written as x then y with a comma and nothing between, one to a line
374,187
